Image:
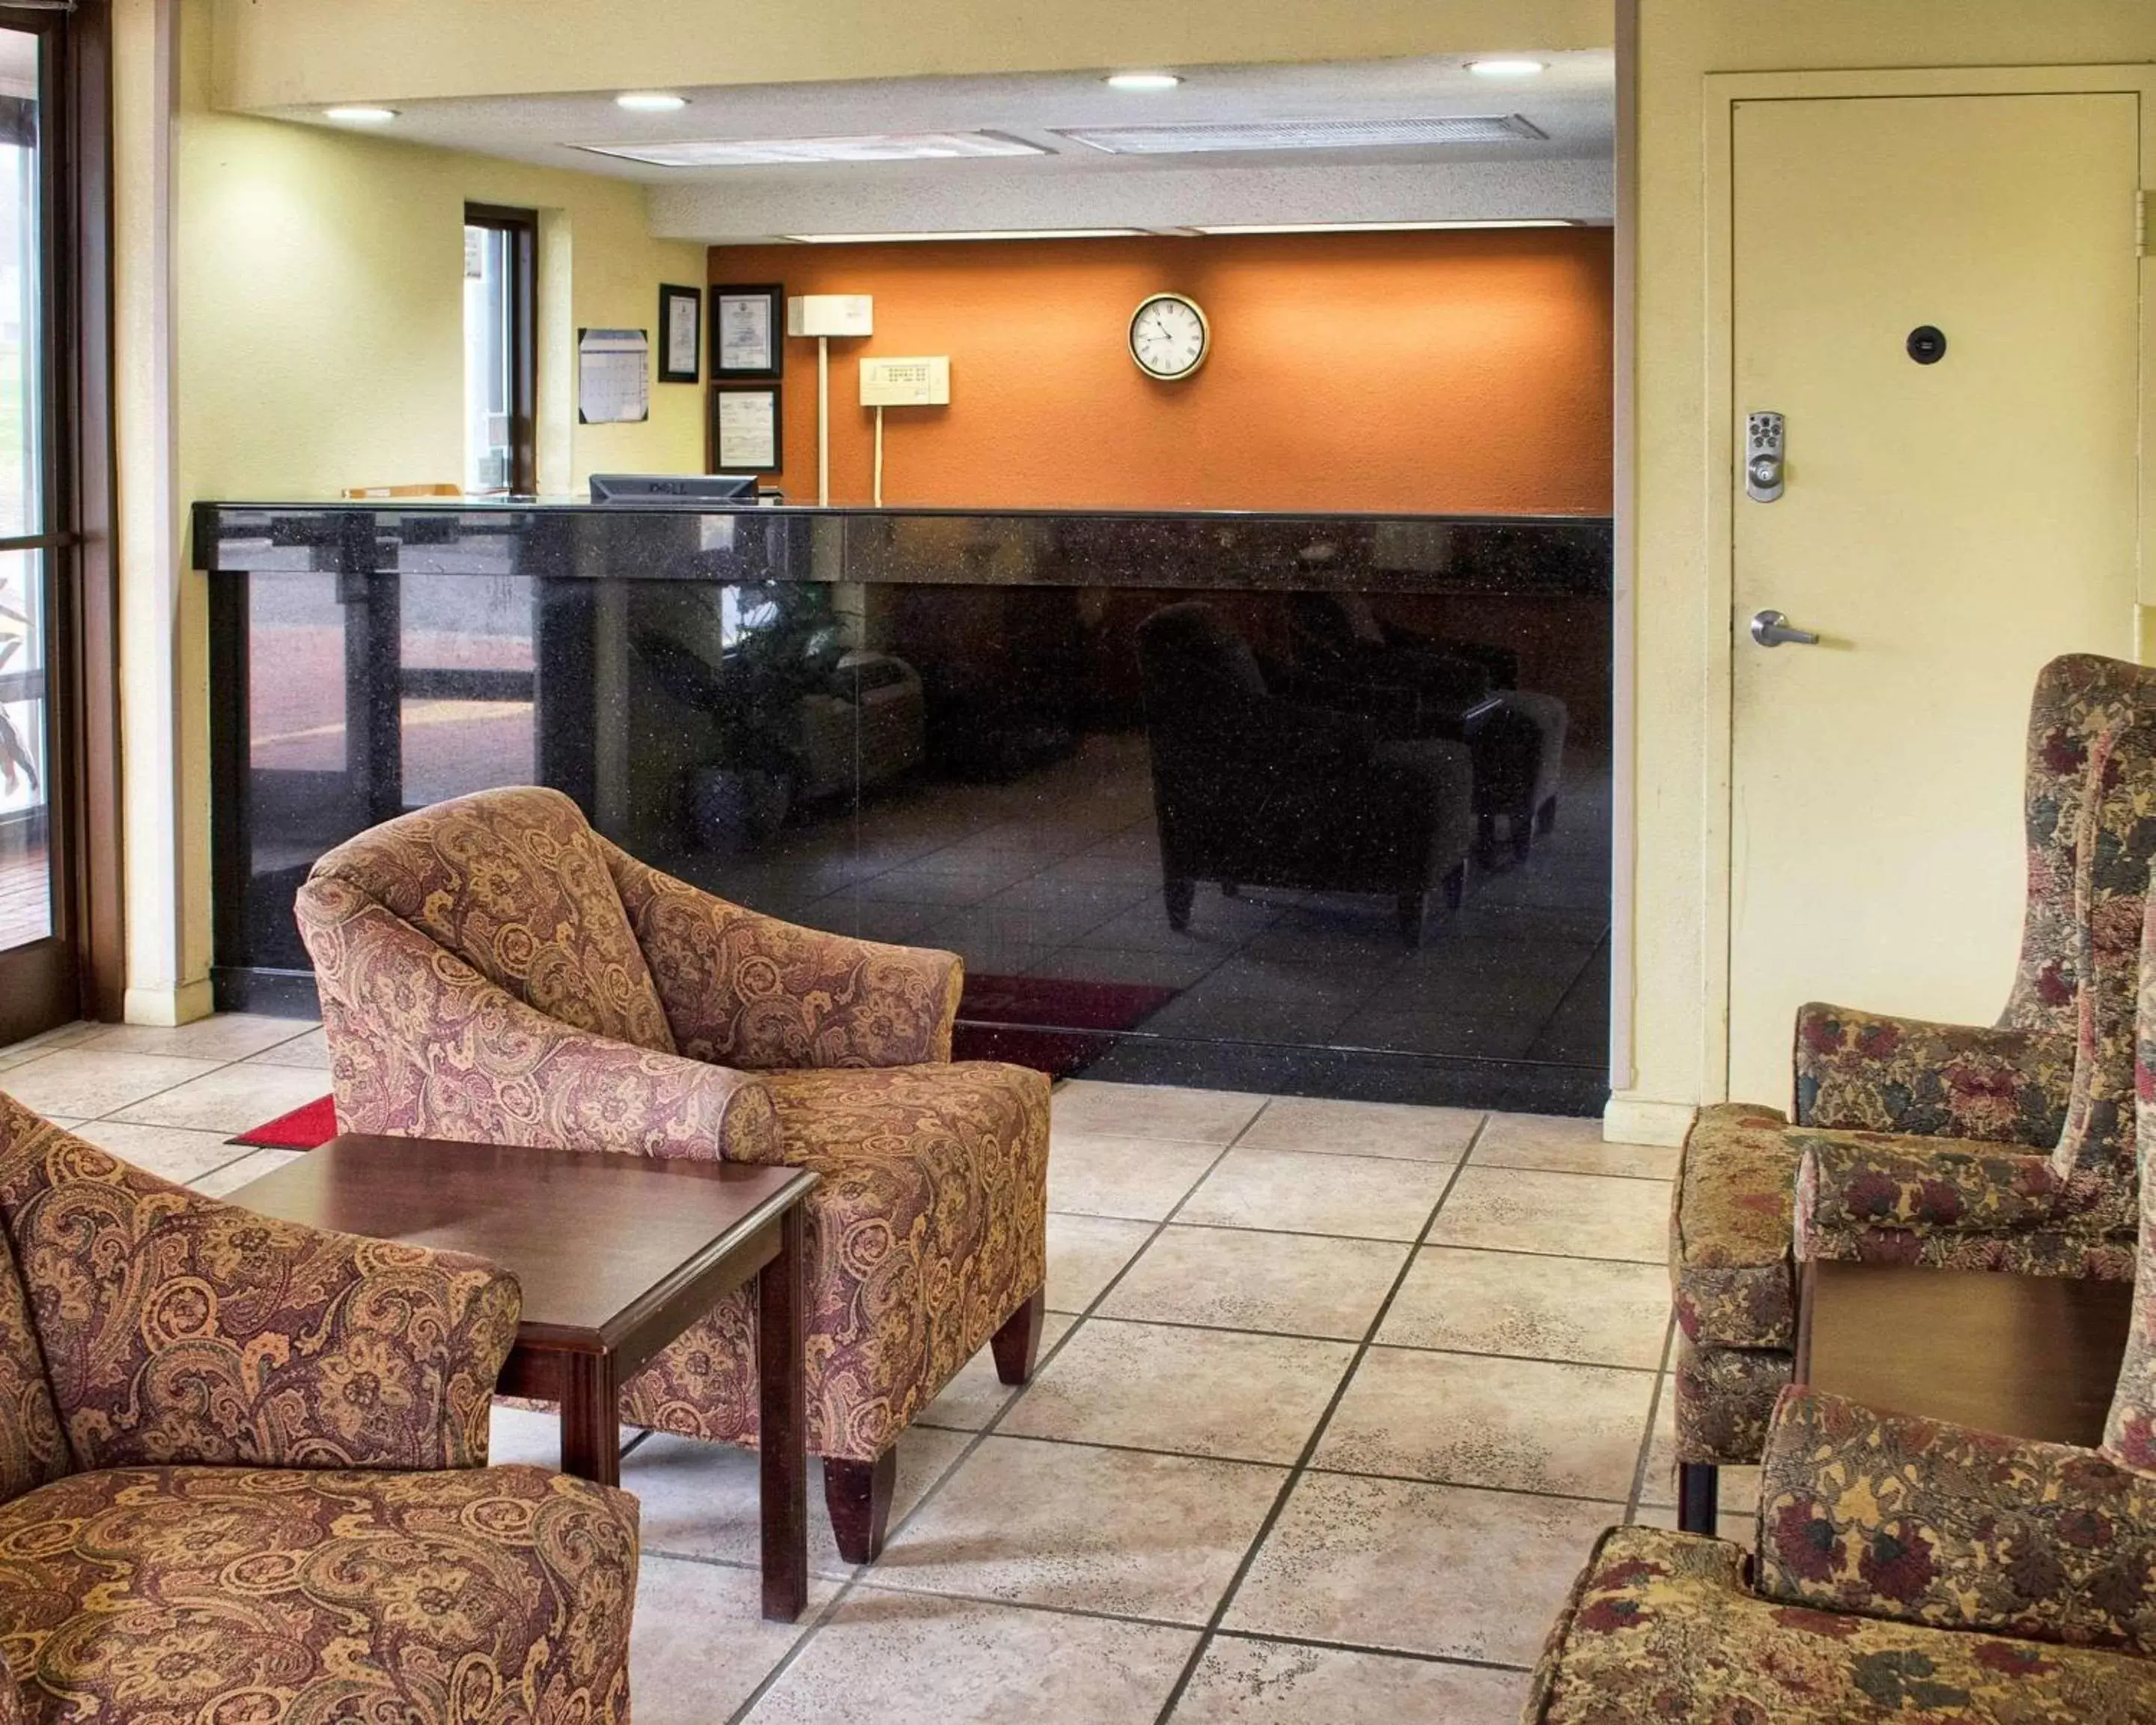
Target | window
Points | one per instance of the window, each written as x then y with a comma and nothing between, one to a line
501,381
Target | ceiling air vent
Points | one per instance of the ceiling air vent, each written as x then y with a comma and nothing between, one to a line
869,146
1304,134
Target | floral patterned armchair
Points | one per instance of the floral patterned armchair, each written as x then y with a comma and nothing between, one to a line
1907,1570
242,1473
1927,1135
493,970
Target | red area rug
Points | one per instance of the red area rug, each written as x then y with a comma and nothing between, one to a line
1055,1024
307,1127
1040,1021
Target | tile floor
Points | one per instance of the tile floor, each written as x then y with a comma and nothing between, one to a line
1333,1400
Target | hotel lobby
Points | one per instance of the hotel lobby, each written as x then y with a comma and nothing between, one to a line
931,865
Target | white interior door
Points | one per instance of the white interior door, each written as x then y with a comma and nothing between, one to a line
1945,528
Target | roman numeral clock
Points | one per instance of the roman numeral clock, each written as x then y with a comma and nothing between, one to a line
1169,337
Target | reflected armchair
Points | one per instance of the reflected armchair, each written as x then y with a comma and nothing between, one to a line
1251,788
493,970
244,1475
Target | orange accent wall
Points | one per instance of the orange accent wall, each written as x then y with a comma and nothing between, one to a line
1458,372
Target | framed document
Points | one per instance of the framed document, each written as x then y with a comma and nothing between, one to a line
680,335
745,430
748,331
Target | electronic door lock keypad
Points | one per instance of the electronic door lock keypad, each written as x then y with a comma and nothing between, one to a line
1763,457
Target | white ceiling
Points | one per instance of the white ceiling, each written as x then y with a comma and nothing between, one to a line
1566,173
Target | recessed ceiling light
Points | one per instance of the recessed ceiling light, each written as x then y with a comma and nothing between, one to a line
1382,227
1201,135
360,116
967,234
1506,69
766,152
650,101
1141,80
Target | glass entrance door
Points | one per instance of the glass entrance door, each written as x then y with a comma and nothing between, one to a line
39,971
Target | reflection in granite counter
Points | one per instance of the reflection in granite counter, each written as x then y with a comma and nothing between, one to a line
961,761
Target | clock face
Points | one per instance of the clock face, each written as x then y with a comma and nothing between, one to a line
1169,337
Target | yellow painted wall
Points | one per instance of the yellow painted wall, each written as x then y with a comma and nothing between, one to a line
275,52
1681,42
319,284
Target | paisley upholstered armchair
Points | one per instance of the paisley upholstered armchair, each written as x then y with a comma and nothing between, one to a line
1906,1568
493,970
2011,1146
242,1473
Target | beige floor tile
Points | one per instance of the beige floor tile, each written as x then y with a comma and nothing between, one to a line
1091,1175
1326,1127
311,1051
1736,1488
172,1152
1588,1309
1224,1393
699,1644
1560,1145
1366,1196
252,1165
233,1099
30,1048
80,1085
977,1395
898,1659
1091,1530
226,1036
1153,1111
1566,1215
1084,1254
532,1436
1244,1682
701,1500
1472,1419
1735,1525
1440,1569
1229,1279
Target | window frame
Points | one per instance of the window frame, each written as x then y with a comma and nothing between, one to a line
522,228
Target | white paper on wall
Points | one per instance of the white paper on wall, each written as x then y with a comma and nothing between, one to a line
613,377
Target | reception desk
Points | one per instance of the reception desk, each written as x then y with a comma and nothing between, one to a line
932,727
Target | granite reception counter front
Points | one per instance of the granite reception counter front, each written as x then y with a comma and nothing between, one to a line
1294,803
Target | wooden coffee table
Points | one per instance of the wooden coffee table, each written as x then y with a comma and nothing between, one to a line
2025,1356
617,1255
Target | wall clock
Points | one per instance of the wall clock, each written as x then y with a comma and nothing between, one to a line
1169,337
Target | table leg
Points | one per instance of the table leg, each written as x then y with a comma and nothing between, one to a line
591,1419
782,1429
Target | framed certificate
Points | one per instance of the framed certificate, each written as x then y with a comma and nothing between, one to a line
745,430
680,335
748,331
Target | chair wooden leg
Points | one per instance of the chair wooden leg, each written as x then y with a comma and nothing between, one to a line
1485,841
1455,886
1523,835
858,1496
1546,818
1179,895
1698,1487
1412,907
1017,1344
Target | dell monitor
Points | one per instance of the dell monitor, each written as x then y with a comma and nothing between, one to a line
672,488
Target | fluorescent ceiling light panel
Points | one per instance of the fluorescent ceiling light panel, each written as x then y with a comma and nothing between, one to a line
867,146
1506,68
1141,80
360,116
1199,137
1382,227
650,101
967,234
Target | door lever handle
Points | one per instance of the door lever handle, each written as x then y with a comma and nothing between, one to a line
1771,628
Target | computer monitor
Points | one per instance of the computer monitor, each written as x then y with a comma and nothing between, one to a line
672,488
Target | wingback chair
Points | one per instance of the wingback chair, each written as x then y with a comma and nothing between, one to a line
1906,1568
242,1473
2011,1146
1251,788
493,970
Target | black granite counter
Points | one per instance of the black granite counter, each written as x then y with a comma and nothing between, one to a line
970,729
